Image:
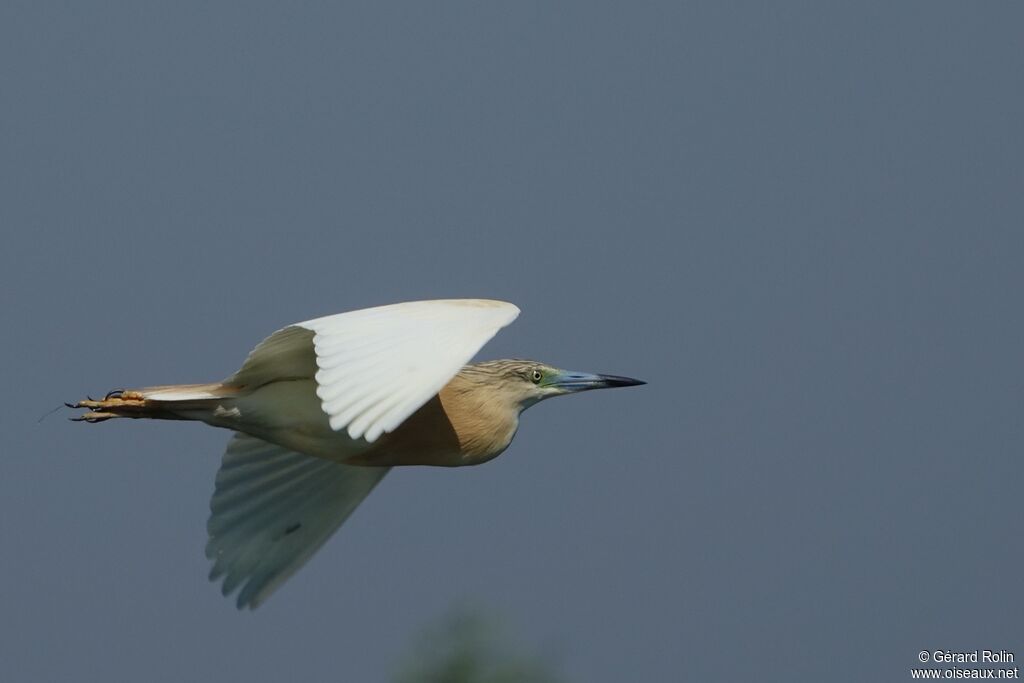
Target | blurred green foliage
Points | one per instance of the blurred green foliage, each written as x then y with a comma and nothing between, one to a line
467,647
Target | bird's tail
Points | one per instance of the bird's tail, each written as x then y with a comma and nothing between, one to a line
171,402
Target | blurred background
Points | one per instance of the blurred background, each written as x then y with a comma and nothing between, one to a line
800,222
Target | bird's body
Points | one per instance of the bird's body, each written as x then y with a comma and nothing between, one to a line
461,425
322,410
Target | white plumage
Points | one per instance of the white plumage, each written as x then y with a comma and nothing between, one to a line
273,508
375,367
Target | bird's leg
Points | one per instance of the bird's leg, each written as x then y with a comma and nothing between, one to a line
119,403
119,398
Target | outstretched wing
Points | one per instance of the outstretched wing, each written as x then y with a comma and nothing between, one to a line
272,510
375,367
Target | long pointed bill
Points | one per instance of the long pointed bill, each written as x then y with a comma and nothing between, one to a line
571,382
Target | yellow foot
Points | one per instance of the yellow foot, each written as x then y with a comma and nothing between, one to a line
115,404
94,416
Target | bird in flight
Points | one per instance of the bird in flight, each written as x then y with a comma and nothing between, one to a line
321,410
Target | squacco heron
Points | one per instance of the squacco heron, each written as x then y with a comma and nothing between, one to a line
322,410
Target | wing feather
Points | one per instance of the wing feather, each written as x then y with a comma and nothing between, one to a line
377,366
286,354
272,509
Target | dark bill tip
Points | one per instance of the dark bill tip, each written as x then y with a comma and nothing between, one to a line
616,381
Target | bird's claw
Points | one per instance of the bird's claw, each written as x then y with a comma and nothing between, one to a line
109,406
93,417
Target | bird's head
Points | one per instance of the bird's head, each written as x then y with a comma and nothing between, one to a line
526,382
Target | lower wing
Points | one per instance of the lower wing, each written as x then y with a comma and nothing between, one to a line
272,510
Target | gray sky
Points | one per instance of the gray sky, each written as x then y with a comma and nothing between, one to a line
802,223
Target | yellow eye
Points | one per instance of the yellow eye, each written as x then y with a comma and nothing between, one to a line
536,376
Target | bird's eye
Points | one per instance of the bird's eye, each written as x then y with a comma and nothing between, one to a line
536,376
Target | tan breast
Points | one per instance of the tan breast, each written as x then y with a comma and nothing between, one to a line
462,425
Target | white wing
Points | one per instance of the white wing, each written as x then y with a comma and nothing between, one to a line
286,354
375,367
272,510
